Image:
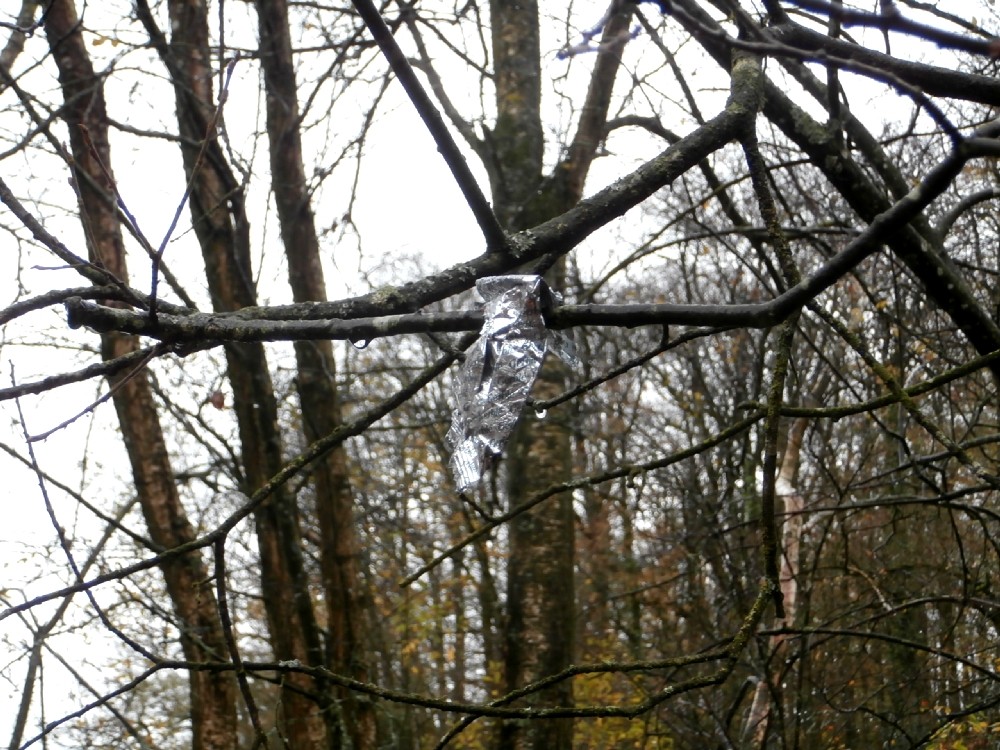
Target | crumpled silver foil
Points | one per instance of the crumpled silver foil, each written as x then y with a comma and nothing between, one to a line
499,371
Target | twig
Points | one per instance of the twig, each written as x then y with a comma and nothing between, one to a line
125,689
219,549
292,468
105,368
496,239
66,546
158,255
30,28
133,224
728,654
143,361
88,270
555,489
113,522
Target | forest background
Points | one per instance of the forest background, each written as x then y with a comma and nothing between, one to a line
759,509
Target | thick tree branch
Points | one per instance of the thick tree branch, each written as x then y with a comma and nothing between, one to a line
914,245
933,80
897,22
269,324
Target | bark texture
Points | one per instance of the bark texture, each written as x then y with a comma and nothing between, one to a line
222,228
212,694
344,591
541,602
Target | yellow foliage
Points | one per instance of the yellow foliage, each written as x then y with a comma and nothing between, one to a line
612,689
972,733
100,39
614,733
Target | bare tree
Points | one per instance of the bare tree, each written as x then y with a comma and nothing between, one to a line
764,518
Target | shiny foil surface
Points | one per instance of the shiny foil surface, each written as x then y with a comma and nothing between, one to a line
499,371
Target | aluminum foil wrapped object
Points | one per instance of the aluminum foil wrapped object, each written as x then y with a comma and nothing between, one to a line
499,371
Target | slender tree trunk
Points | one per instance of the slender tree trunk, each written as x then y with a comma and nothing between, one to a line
221,225
212,694
347,602
596,546
761,707
458,669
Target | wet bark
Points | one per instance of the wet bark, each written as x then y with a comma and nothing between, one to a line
539,634
212,694
541,599
222,228
346,598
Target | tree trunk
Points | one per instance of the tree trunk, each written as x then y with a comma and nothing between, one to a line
220,223
212,694
347,602
541,596
761,708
